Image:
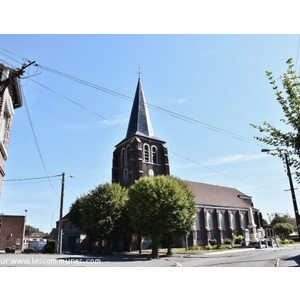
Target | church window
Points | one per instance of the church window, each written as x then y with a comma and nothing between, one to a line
244,223
146,153
233,222
125,174
127,154
197,221
154,154
210,221
123,157
222,220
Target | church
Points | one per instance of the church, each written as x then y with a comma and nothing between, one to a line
221,211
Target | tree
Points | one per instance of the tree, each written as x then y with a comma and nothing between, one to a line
161,207
30,230
99,214
283,218
283,229
290,103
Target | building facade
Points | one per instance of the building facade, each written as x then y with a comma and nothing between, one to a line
221,211
10,99
12,230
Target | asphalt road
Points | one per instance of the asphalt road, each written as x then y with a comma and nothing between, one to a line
270,257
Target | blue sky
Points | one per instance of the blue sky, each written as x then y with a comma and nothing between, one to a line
217,79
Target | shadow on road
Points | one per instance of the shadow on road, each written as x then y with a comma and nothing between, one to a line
290,260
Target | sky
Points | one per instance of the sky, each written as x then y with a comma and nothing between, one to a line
216,80
213,73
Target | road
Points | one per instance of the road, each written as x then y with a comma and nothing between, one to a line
270,257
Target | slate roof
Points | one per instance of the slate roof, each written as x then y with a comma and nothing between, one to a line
214,195
140,122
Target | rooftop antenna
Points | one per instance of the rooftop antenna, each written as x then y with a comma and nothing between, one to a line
139,72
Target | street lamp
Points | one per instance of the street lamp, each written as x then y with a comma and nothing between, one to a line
286,156
59,238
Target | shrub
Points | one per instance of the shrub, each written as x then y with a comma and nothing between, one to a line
217,247
50,247
28,250
228,241
212,242
283,229
10,250
238,239
294,238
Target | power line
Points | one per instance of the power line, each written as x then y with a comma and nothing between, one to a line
117,94
211,169
166,111
36,141
173,114
223,174
77,104
34,178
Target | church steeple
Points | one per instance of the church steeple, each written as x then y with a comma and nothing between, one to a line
140,154
139,122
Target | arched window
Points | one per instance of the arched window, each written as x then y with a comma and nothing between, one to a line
146,153
244,222
233,221
123,157
210,221
127,154
154,154
222,220
197,221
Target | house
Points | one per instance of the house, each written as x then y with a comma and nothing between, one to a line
221,211
34,235
71,236
12,230
10,99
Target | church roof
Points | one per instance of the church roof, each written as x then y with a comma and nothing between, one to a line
214,195
140,122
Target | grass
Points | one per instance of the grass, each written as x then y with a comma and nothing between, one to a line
163,251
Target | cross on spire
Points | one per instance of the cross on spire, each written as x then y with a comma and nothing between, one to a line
139,72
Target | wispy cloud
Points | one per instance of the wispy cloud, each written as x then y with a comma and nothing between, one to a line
97,125
233,158
177,101
117,120
28,205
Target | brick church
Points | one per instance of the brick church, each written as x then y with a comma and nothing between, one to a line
221,211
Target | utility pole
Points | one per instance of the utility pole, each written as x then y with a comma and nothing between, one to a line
5,83
61,214
292,192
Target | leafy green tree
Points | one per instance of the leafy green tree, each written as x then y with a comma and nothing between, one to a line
30,230
99,214
290,104
283,229
283,218
161,207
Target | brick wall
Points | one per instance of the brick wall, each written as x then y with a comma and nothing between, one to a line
12,231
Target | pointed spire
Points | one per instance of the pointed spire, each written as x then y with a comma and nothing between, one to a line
139,122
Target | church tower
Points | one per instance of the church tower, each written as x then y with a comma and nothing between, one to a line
140,154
